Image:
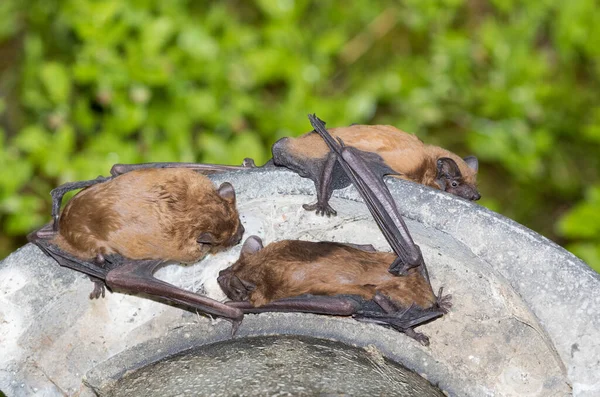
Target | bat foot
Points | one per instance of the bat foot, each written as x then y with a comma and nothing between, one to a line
444,302
248,163
419,337
99,290
403,320
320,209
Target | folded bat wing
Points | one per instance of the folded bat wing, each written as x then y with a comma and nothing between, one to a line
366,171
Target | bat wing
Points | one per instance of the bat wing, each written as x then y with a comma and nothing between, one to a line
205,169
136,276
58,193
40,238
119,169
339,305
349,305
403,321
366,171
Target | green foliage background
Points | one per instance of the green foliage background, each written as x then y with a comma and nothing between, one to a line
85,84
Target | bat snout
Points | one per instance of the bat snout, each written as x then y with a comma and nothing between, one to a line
464,190
223,280
237,237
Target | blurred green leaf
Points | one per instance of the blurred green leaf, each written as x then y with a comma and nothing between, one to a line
583,220
56,81
9,18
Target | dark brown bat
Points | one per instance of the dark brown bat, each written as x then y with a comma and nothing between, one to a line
119,230
404,153
286,276
385,288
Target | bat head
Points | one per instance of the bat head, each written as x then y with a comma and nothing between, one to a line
451,180
236,288
217,220
300,155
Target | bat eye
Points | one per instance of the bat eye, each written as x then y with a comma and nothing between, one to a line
454,184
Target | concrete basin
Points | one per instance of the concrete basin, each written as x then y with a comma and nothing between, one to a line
525,320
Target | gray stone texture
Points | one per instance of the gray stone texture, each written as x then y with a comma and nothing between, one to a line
525,320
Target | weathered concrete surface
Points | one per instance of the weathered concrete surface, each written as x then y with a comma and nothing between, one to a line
523,307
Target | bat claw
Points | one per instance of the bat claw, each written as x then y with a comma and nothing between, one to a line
320,209
235,325
99,290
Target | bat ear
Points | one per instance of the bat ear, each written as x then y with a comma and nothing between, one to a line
251,245
206,238
226,191
472,162
447,168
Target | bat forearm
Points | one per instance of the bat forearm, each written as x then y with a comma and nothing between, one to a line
59,192
136,276
119,169
330,305
371,187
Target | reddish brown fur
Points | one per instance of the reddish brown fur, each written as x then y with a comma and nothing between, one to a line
149,214
291,268
403,152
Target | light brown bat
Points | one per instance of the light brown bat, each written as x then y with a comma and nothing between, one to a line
405,154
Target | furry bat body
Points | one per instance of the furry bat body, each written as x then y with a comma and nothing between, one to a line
119,230
289,268
331,278
404,153
384,288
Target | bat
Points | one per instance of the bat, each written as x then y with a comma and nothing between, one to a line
330,278
341,279
404,153
119,169
120,229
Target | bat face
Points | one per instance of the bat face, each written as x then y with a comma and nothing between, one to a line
219,221
451,179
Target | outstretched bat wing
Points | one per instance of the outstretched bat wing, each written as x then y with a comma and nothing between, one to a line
134,276
366,171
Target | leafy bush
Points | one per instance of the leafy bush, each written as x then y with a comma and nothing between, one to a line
88,83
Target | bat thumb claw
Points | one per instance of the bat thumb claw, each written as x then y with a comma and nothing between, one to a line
235,325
